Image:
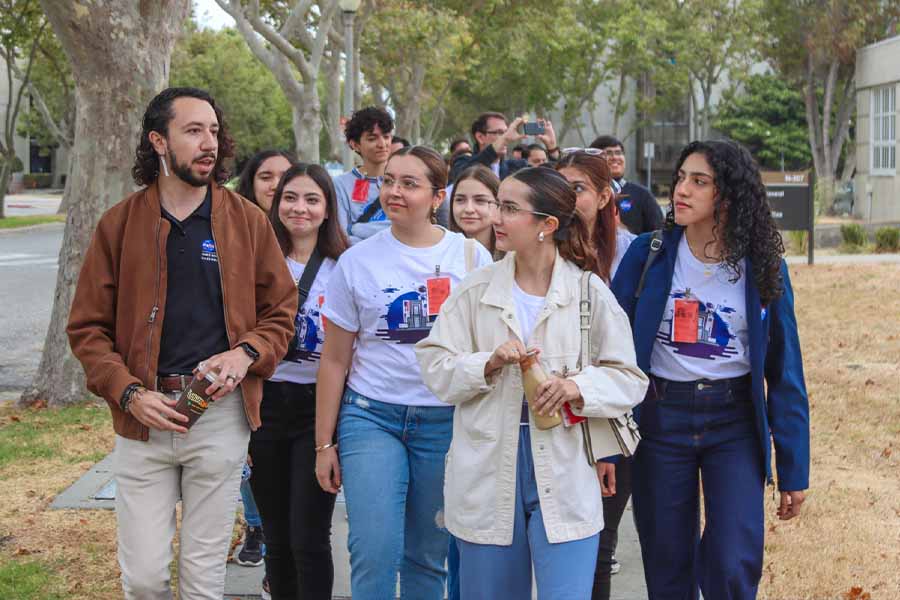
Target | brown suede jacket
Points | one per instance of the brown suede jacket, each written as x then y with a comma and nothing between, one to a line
115,323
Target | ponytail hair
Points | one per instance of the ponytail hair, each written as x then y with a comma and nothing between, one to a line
550,193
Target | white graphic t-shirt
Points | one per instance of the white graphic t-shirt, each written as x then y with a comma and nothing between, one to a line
301,363
390,294
720,350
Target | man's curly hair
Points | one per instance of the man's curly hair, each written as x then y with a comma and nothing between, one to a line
365,119
748,229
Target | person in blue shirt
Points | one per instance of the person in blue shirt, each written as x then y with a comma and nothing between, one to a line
714,327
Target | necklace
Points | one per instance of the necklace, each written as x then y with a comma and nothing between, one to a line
707,266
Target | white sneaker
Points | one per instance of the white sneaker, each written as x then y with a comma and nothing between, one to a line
615,567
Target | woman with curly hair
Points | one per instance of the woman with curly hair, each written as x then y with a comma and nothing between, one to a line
712,312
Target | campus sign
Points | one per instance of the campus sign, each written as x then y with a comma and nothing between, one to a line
790,196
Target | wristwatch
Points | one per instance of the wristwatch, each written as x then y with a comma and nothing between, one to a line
250,350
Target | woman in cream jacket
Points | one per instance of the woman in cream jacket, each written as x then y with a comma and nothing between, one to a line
516,495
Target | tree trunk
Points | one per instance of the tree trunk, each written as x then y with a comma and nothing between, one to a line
307,123
333,105
5,177
119,54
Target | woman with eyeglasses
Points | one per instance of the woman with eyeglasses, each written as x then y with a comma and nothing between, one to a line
715,330
517,496
380,432
473,205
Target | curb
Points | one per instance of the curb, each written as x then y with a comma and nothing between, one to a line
38,226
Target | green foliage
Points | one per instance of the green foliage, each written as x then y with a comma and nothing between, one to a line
51,77
31,580
256,111
887,239
15,222
854,235
16,163
768,116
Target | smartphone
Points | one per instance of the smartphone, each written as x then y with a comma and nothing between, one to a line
533,128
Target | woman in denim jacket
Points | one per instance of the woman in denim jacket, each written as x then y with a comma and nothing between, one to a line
714,327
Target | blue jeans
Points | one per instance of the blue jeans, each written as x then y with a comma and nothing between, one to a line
392,461
690,431
251,512
564,570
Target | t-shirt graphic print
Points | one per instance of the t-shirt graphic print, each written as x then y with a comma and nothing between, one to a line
703,333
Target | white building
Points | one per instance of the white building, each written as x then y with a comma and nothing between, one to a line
877,185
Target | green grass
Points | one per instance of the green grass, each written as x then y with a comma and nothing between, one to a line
14,222
29,580
35,434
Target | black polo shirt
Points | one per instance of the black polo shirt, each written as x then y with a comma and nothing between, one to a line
193,326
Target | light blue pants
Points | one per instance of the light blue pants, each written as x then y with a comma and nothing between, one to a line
251,512
392,461
563,571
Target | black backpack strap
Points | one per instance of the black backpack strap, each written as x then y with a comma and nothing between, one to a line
370,211
309,276
656,244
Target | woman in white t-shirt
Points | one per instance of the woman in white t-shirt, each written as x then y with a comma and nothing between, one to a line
296,512
515,494
392,433
712,309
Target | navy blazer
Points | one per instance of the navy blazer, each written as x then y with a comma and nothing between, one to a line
780,403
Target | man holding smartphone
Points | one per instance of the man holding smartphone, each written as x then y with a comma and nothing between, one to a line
181,275
493,136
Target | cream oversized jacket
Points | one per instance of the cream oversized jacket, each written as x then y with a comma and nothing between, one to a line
480,473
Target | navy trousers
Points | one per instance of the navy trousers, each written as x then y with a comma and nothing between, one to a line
692,432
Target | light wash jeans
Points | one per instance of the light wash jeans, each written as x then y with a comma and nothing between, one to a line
564,570
392,461
251,512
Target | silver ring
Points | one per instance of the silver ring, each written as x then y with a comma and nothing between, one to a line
230,377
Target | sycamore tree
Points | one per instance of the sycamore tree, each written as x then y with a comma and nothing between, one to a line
766,115
22,25
221,63
812,44
290,39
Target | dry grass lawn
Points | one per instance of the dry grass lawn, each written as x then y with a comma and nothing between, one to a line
845,546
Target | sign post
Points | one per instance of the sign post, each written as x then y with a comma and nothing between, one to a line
649,154
790,195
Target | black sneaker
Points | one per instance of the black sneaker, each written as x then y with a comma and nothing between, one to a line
251,554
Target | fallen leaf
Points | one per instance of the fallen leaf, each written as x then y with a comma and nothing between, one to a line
22,552
886,452
85,427
38,405
14,418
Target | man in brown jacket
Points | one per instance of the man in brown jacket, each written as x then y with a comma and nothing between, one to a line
181,275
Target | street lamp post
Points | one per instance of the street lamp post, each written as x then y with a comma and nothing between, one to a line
348,11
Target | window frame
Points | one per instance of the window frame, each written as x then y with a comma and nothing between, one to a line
883,130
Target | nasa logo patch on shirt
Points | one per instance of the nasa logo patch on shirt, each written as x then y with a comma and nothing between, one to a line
625,205
208,252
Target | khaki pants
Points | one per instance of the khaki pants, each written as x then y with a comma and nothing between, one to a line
203,469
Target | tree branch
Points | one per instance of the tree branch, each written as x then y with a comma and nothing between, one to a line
845,108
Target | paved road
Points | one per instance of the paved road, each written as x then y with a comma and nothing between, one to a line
27,280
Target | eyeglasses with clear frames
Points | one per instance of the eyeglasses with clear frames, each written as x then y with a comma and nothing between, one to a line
407,185
482,203
510,209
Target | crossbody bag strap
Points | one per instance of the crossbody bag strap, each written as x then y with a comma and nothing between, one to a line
304,286
373,207
656,244
584,356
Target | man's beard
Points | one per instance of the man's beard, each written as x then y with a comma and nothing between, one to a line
183,171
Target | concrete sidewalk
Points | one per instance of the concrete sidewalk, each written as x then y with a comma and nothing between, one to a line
96,490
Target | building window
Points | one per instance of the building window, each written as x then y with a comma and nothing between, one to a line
884,130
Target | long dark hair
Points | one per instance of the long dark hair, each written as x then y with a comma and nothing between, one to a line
551,193
485,177
157,117
331,241
603,236
749,229
248,174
